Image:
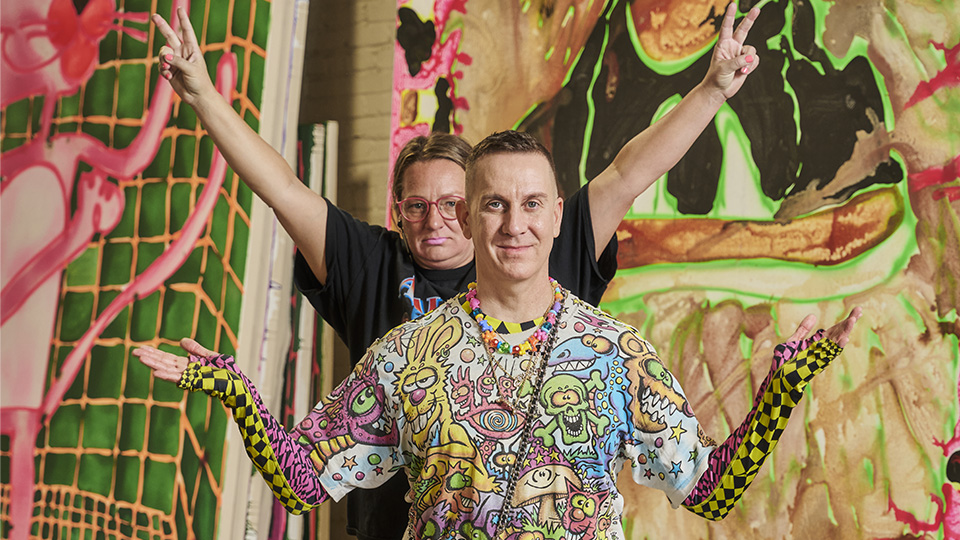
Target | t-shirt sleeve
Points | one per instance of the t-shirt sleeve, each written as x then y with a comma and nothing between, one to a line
352,246
355,431
666,447
573,261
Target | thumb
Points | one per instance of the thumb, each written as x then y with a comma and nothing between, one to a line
806,326
196,349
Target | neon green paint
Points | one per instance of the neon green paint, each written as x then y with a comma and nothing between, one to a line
567,17
524,116
746,346
566,56
670,67
833,518
868,472
591,108
526,6
657,201
453,23
873,341
747,203
912,312
547,56
576,60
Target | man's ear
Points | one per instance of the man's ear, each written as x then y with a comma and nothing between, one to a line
463,215
558,217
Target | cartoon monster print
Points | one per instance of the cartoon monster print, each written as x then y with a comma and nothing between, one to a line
566,399
488,419
454,495
354,414
580,355
501,461
583,511
420,384
651,385
452,473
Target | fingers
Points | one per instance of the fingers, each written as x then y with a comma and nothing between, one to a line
726,28
840,332
745,25
196,349
166,59
186,29
806,326
173,40
748,59
165,366
171,63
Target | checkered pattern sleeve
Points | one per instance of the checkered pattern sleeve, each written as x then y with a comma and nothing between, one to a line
284,464
735,463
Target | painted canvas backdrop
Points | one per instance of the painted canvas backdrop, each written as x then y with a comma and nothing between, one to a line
121,227
830,181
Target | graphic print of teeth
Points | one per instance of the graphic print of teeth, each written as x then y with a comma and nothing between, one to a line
653,405
420,421
576,365
573,425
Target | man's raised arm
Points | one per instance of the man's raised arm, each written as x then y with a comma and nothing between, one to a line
653,152
302,212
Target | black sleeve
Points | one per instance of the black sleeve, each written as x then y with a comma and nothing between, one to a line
355,296
573,261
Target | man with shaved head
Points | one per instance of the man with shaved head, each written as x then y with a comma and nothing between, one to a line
511,408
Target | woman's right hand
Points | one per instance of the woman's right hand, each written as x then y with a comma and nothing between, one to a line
181,60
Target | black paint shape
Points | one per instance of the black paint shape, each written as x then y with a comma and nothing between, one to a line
953,467
833,107
441,121
416,37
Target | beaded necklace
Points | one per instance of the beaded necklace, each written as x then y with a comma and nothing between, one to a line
492,339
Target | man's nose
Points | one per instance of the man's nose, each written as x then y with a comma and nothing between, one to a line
513,222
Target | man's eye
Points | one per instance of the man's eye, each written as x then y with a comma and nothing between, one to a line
533,204
450,203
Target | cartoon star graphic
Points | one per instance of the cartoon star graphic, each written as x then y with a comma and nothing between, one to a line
653,454
676,470
378,470
694,454
350,462
677,431
648,474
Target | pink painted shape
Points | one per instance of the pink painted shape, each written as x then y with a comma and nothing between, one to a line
39,180
165,265
948,509
947,78
48,48
443,54
935,176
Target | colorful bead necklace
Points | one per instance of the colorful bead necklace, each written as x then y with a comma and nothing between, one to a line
497,344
